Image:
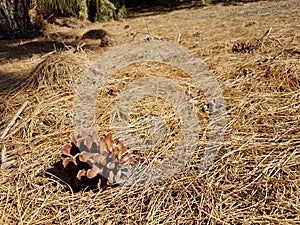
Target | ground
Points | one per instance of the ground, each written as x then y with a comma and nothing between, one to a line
253,51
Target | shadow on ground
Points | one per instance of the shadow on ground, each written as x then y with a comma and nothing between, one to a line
56,172
149,8
10,81
17,50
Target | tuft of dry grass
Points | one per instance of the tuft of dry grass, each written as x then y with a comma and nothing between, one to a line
60,69
255,177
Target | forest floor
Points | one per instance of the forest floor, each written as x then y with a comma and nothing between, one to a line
253,52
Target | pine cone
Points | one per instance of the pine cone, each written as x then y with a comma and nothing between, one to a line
243,47
96,162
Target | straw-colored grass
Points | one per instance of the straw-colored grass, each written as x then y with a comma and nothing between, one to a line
60,69
255,177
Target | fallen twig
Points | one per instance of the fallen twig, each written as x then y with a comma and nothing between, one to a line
277,40
79,48
265,36
9,126
8,164
50,53
3,156
178,38
149,36
13,121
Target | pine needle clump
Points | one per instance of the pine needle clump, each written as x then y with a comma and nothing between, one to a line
61,69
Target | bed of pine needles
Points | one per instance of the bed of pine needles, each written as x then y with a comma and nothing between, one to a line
255,177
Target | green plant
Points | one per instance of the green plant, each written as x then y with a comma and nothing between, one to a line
83,9
60,7
95,10
122,13
205,2
105,10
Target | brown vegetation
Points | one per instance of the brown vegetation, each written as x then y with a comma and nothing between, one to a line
255,177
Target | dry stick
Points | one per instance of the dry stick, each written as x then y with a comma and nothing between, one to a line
9,126
266,35
50,53
3,155
148,35
79,48
12,122
277,39
178,34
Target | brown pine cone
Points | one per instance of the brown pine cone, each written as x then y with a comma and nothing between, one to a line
96,162
243,47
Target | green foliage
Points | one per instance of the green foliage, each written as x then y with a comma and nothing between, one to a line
122,12
206,2
105,10
227,2
83,10
60,7
95,10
